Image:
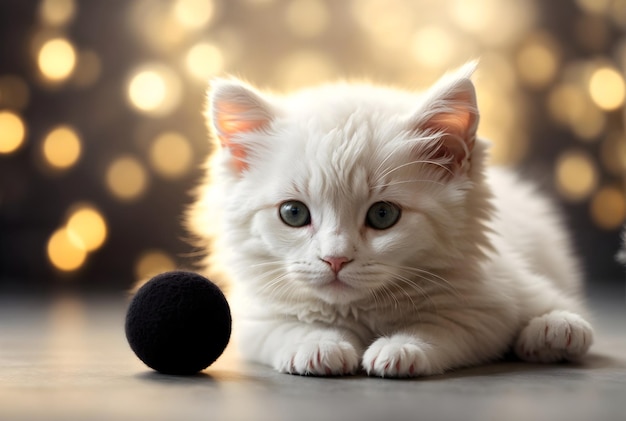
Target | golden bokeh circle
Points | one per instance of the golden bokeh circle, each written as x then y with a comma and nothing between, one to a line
126,178
62,147
608,208
56,59
87,228
153,262
171,155
64,253
576,175
12,132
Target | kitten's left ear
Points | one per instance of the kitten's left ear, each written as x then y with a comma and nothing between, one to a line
450,109
234,110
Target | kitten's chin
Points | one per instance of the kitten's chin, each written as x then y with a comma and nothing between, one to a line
336,291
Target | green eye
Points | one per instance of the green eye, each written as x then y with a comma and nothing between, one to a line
382,215
295,213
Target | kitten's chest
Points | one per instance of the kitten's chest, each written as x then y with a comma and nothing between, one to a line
367,322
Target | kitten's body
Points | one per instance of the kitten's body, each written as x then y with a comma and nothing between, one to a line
476,263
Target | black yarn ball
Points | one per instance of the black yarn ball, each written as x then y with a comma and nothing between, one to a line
178,323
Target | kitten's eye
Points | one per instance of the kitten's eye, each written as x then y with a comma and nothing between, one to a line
295,214
382,215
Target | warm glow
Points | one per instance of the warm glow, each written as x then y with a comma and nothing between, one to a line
305,68
171,155
608,208
126,178
64,253
594,6
62,147
307,18
12,132
613,154
433,46
576,175
474,15
147,90
154,90
57,12
87,228
537,62
153,262
607,88
57,59
194,13
204,60
567,103
589,124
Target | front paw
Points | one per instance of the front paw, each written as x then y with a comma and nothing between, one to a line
398,356
323,357
556,336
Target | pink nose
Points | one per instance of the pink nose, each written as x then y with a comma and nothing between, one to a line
336,263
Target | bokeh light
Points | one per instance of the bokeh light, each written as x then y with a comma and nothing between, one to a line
64,253
57,59
608,208
12,132
156,25
434,46
113,98
62,147
613,154
126,178
538,61
154,89
194,14
87,228
57,12
153,262
204,60
607,89
566,103
307,18
171,155
594,6
305,67
576,175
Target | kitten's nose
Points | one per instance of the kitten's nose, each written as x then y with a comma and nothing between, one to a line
336,263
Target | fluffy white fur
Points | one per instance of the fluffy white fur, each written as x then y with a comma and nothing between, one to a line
477,264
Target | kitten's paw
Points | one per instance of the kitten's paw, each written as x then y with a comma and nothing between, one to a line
555,336
397,356
323,357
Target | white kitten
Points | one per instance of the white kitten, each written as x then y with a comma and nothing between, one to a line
360,229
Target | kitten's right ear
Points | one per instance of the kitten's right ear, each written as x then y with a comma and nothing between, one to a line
236,109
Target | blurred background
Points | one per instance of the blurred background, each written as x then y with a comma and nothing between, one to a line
102,133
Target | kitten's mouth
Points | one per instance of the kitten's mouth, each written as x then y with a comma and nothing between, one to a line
337,283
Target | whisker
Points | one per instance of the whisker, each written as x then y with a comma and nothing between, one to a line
418,180
420,161
431,277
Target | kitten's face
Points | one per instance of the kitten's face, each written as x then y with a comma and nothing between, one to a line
347,205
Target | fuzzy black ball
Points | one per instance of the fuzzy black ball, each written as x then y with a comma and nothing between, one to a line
178,323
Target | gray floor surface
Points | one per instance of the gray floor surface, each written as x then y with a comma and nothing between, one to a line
66,358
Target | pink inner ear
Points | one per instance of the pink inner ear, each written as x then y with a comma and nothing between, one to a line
457,118
230,120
